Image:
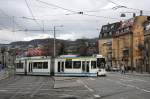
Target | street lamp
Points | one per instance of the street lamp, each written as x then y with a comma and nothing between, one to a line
55,39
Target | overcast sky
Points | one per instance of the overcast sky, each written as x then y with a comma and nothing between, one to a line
50,13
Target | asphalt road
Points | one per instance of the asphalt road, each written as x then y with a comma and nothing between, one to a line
117,86
114,86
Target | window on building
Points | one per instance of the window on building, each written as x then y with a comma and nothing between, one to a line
77,64
68,64
93,64
110,33
105,34
105,28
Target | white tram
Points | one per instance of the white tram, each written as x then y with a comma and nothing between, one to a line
78,66
33,65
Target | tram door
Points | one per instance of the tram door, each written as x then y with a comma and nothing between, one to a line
60,66
85,66
30,68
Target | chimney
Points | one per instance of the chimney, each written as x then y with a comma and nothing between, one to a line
134,15
141,12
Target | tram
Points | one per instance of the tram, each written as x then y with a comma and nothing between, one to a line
61,66
78,66
33,65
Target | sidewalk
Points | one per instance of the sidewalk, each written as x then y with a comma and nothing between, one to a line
138,74
134,73
5,73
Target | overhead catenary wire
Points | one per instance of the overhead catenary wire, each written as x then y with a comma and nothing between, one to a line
30,10
11,17
54,5
126,7
74,12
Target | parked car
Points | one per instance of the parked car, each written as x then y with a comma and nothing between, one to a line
101,72
115,69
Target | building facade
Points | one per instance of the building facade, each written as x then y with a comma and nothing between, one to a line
127,43
105,41
121,46
147,47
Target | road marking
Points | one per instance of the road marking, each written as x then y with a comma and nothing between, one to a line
68,96
62,90
135,79
80,81
125,76
128,85
97,96
3,90
11,92
92,79
40,86
126,80
88,88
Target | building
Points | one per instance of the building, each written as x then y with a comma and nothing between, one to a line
138,42
127,43
105,41
7,56
122,44
147,47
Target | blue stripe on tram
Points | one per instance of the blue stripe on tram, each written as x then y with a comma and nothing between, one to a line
75,74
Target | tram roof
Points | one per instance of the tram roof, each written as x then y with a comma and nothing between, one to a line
76,56
32,58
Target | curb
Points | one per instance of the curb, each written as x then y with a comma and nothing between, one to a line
135,74
64,78
4,77
146,75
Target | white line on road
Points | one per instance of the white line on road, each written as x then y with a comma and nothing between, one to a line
128,85
3,90
134,79
88,88
97,96
91,78
80,81
40,86
126,80
62,90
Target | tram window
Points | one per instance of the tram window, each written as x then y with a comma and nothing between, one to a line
68,64
39,65
19,65
77,64
83,66
58,63
35,65
58,66
100,62
45,65
93,64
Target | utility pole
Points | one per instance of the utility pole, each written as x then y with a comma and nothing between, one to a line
55,39
54,42
53,59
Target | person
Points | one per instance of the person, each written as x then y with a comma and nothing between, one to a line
122,69
0,66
